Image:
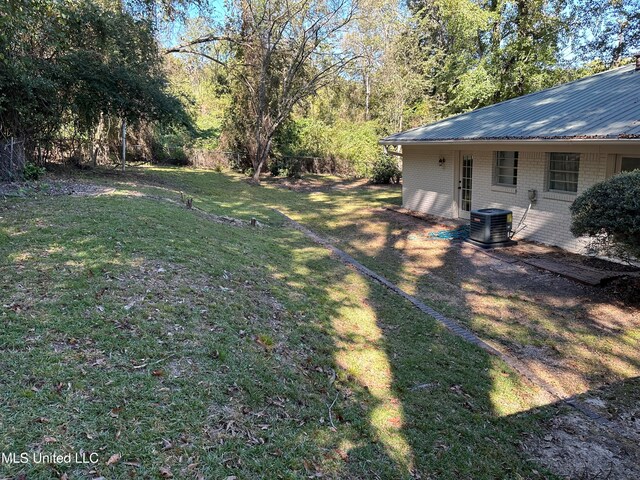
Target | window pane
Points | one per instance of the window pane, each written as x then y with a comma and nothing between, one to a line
506,168
506,180
563,171
629,164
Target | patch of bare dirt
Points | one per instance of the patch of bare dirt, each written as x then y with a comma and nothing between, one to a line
528,249
52,188
625,288
573,446
573,336
431,220
311,184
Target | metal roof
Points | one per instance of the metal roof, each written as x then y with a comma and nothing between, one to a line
605,106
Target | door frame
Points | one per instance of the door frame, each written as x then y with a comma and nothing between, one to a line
455,195
459,213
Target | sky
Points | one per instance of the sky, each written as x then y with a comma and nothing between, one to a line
172,32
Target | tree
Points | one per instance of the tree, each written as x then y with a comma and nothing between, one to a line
282,51
481,52
607,30
371,33
68,65
608,213
404,95
525,45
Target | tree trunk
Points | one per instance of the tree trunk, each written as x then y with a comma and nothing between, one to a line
124,143
619,48
367,95
260,158
95,144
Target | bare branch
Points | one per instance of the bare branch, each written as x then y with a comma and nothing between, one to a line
209,38
204,55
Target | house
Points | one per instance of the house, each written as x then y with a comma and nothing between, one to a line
541,149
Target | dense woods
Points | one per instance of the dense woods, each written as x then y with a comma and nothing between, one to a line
273,80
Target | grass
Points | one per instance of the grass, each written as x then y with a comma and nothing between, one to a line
582,337
186,348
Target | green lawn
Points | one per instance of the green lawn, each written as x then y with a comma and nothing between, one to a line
136,328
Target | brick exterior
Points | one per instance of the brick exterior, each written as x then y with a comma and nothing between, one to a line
431,188
426,186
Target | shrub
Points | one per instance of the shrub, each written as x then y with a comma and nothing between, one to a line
357,144
33,172
286,167
178,157
609,213
385,170
347,148
274,168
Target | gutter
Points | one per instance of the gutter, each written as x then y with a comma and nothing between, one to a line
532,141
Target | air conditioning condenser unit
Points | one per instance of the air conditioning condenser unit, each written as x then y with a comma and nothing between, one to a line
491,228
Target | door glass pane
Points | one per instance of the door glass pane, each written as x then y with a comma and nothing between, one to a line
466,183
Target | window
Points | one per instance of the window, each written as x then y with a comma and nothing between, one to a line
563,172
505,170
629,163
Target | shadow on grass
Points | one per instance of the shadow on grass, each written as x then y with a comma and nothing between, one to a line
134,328
137,328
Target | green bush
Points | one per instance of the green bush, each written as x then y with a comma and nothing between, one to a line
178,157
357,144
33,172
289,167
609,213
348,148
385,170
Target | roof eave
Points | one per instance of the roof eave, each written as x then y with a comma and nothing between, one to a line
536,141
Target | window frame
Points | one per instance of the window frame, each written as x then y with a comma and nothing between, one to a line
567,158
499,155
619,159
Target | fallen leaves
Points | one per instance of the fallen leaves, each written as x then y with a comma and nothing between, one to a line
14,306
165,472
130,305
113,459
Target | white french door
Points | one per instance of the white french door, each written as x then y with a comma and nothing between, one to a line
465,184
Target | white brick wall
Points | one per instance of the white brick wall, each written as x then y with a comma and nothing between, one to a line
430,188
427,187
